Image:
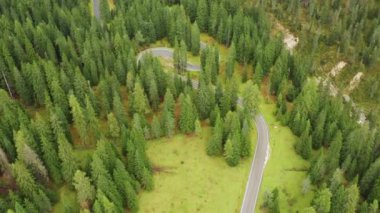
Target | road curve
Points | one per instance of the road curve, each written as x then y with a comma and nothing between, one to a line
262,148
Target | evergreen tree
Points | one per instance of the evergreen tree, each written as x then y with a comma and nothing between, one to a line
79,118
198,128
114,130
66,155
50,157
125,184
259,74
251,100
352,199
215,144
246,143
319,130
85,191
92,120
28,156
187,118
167,118
232,149
139,101
318,169
322,201
304,144
375,192
333,154
156,128
25,181
202,15
195,39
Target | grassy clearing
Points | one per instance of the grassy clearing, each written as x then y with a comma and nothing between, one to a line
67,201
285,169
187,180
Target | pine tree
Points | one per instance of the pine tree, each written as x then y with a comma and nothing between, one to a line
139,100
333,154
322,201
23,178
246,143
202,15
28,156
198,128
156,128
229,153
79,118
375,192
232,149
182,57
21,86
259,74
124,182
153,95
195,39
251,100
119,109
304,144
168,120
114,130
318,170
50,157
318,132
92,121
215,144
187,118
68,161
85,191
59,97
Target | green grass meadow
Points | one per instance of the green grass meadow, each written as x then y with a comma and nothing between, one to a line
187,180
285,169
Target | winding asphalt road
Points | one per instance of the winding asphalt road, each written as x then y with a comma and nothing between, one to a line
262,147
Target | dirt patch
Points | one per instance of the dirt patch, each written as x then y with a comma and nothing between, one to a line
337,69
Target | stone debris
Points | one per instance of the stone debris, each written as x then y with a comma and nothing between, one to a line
337,69
290,40
355,81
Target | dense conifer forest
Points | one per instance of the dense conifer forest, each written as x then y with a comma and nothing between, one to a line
78,106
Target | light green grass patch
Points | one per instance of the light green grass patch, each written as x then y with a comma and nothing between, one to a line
187,180
285,169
